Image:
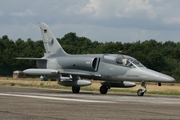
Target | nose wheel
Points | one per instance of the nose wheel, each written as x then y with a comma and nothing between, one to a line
141,92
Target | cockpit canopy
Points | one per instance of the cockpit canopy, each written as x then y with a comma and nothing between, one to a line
124,60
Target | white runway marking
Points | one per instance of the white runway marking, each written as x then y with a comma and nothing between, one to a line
54,98
95,98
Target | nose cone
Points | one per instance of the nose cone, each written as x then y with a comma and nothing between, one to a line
165,78
149,75
160,77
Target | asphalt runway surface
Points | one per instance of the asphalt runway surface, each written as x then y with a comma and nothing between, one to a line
18,103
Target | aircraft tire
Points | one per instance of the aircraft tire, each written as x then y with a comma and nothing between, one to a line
140,93
103,89
75,89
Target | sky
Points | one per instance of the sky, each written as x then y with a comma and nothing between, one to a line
99,20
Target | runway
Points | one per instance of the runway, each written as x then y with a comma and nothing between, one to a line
31,103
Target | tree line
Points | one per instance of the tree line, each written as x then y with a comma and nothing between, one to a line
160,56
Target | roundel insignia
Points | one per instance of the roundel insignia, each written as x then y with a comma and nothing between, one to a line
50,41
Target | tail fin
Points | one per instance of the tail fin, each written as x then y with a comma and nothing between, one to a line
51,45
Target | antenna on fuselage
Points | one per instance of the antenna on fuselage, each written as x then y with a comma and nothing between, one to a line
121,52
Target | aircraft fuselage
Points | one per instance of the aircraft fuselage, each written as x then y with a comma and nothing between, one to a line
104,67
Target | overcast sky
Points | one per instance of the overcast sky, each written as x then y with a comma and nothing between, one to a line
100,20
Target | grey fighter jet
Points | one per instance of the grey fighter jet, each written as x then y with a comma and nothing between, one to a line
115,70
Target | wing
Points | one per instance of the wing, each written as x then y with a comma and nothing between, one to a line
81,74
63,72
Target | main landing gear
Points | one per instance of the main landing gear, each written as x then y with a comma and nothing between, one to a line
141,92
75,89
103,89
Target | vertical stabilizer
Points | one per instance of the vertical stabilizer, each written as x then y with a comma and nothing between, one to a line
51,45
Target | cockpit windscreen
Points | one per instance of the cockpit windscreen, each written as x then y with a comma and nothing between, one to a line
128,61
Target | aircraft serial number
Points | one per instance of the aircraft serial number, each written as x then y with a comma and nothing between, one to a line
132,75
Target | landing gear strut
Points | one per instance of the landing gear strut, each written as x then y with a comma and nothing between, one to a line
141,92
75,89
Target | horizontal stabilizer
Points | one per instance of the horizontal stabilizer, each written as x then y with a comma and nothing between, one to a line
21,58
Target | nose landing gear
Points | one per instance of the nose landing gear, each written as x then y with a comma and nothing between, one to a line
141,92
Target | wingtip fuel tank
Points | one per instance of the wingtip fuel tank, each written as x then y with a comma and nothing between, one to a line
41,71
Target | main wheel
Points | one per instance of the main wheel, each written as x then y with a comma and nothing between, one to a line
140,92
75,89
103,89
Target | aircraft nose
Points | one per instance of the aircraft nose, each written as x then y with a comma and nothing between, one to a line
165,78
154,76
150,75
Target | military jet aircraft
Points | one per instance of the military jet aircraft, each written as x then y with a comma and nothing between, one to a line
115,70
